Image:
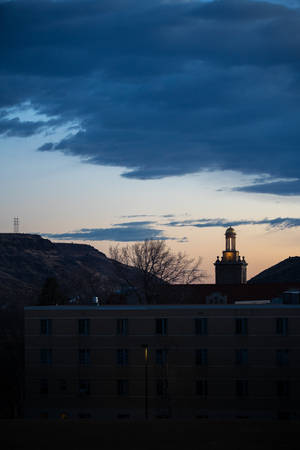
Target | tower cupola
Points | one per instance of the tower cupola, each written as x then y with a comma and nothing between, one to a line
231,269
230,239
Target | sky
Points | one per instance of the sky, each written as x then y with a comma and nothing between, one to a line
125,120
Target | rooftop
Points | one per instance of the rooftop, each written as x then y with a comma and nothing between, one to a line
157,307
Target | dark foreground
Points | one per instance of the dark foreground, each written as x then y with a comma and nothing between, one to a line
162,434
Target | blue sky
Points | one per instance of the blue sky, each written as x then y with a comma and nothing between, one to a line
117,113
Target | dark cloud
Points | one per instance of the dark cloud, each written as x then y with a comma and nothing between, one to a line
159,89
275,188
15,127
128,233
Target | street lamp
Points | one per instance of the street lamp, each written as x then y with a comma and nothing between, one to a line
145,347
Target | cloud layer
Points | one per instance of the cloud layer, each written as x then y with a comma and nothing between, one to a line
141,230
276,188
125,232
159,88
277,223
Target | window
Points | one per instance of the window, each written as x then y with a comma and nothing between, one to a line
62,385
241,326
84,415
84,327
241,356
201,388
122,387
282,357
161,356
122,357
84,387
162,388
283,388
46,327
282,326
122,327
201,326
201,357
44,386
241,388
46,356
123,416
162,326
84,356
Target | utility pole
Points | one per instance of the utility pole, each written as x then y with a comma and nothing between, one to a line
16,224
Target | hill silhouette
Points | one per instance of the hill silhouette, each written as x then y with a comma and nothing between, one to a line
27,261
287,270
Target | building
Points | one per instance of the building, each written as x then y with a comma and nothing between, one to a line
163,361
231,269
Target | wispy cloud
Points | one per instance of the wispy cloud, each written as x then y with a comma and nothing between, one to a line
285,188
277,223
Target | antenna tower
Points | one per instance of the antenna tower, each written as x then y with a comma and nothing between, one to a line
16,224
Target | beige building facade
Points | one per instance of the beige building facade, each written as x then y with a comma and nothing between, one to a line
163,361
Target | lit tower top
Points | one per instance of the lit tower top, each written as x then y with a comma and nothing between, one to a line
231,269
230,254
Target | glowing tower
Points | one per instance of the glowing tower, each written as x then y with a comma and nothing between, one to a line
231,269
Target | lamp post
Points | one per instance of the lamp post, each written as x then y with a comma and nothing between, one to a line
145,347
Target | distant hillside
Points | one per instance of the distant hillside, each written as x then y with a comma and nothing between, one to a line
27,260
287,270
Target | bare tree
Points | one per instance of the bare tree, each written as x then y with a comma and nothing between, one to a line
156,265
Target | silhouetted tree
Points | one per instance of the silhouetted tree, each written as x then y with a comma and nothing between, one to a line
156,265
51,293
